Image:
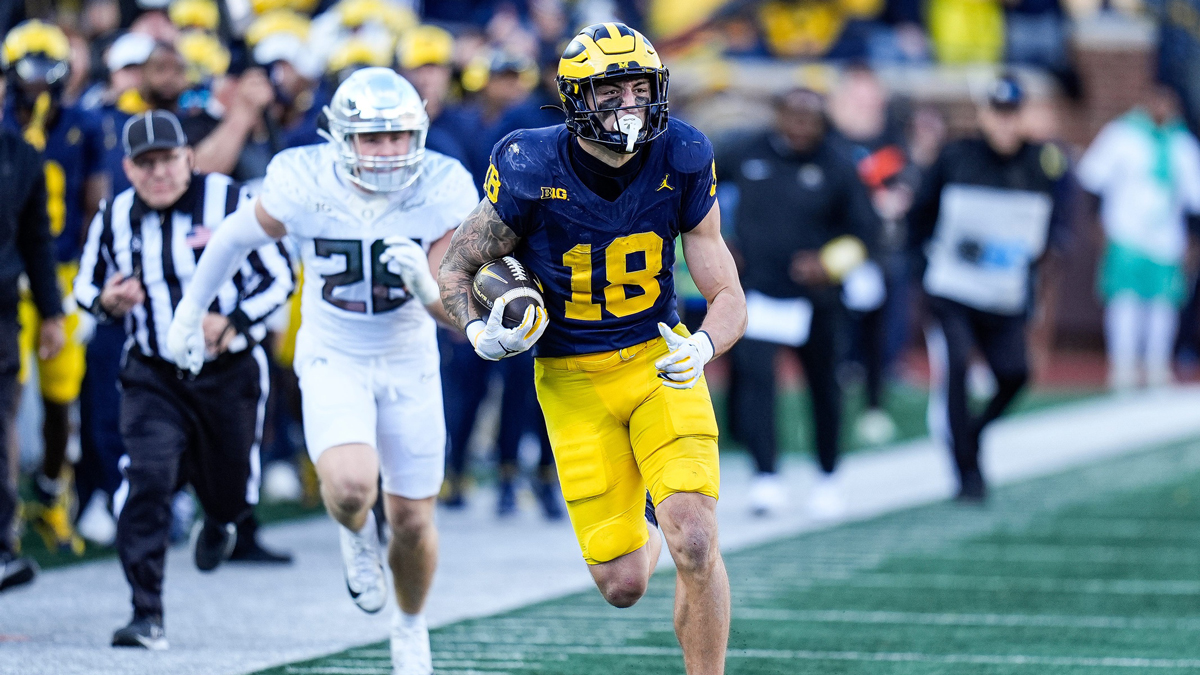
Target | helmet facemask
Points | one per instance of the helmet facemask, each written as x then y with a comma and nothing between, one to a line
377,102
591,117
381,173
34,75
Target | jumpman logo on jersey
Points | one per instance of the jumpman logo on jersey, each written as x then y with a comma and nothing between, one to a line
665,184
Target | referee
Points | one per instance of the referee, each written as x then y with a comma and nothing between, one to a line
204,430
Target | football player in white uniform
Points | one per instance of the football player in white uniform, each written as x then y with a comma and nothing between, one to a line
372,212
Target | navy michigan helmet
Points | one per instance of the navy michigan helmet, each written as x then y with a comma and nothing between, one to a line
605,53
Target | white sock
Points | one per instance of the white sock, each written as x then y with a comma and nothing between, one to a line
409,621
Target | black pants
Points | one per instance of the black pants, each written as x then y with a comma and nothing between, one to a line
1001,339
179,431
754,396
9,365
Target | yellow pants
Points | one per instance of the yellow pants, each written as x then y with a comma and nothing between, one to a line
60,377
616,432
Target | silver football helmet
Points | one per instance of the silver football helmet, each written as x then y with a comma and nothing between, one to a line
373,100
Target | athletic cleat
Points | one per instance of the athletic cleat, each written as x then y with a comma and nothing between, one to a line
411,654
972,489
548,495
50,516
249,550
767,495
875,427
254,552
96,524
826,502
506,504
364,572
651,515
212,543
145,632
453,494
16,571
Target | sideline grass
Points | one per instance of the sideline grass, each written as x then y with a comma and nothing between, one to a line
1092,571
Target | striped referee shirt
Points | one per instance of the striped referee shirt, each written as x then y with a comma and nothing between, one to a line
160,248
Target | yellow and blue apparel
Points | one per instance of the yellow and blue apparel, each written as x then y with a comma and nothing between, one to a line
606,268
73,152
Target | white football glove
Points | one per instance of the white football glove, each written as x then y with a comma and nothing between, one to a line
185,337
406,259
682,368
492,341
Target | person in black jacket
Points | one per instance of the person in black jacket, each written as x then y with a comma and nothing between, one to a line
25,246
986,213
803,219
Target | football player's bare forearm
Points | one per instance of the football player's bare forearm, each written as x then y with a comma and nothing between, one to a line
713,269
482,237
726,319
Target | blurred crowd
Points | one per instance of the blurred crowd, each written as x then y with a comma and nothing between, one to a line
249,79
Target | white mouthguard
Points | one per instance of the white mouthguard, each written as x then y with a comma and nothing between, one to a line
630,125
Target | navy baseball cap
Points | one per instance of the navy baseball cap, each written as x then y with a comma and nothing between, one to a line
153,130
1006,93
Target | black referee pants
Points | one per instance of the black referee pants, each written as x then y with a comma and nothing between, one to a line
957,332
754,394
178,431
9,365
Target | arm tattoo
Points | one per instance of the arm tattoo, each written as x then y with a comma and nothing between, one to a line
481,238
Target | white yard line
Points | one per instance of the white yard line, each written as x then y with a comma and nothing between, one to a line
241,619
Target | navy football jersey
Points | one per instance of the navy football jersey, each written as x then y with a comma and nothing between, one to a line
74,152
606,266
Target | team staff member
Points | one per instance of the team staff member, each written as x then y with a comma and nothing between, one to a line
25,245
798,193
36,60
139,259
985,215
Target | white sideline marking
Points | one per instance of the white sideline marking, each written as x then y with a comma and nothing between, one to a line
968,582
955,619
915,657
1066,553
741,613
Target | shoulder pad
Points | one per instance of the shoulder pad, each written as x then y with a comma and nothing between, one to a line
526,149
443,175
526,159
688,150
290,173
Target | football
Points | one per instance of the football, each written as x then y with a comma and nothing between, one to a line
506,278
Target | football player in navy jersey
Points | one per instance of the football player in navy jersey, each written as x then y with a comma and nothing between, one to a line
593,208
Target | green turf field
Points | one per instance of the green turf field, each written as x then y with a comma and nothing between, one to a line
1092,571
905,403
